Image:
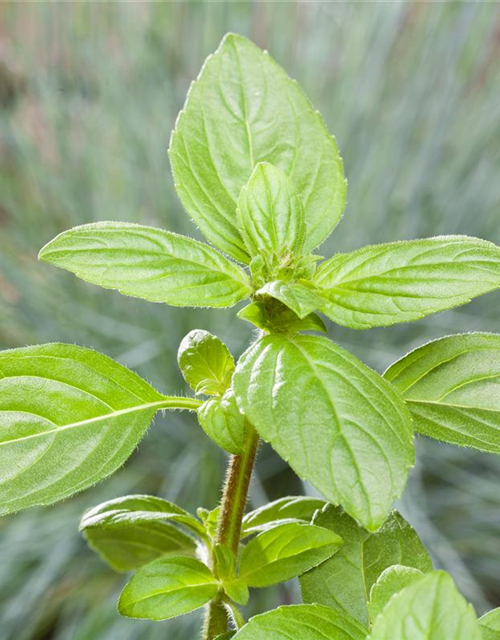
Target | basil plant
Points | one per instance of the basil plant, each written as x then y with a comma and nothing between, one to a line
261,176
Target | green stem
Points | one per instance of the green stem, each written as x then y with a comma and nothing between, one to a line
234,499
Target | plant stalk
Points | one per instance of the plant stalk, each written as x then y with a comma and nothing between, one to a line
232,510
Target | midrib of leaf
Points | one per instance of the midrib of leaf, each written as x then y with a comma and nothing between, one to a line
437,365
166,592
340,431
167,403
245,108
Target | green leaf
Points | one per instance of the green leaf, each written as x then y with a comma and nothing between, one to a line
166,588
281,320
291,507
270,215
338,423
222,421
138,510
380,285
304,622
430,607
149,263
243,109
344,581
284,552
297,296
452,388
226,636
490,625
205,362
391,581
210,520
69,417
132,546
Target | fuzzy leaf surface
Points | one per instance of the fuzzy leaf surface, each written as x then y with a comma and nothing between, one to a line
205,362
306,621
166,588
270,215
430,607
149,263
490,625
244,109
381,285
284,321
344,581
284,552
452,388
338,423
289,508
223,423
69,417
391,581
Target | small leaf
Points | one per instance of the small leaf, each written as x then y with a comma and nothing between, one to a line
452,388
210,520
132,546
284,552
430,607
297,296
239,107
138,510
166,588
149,263
270,215
291,507
205,362
304,622
69,417
284,321
338,423
222,421
391,581
383,284
490,625
344,581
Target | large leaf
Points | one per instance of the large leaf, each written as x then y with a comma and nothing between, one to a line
304,622
490,625
390,582
452,388
428,608
206,363
243,109
166,588
344,581
401,281
149,263
69,417
270,215
284,552
291,507
337,422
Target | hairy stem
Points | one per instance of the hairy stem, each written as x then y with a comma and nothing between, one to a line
232,509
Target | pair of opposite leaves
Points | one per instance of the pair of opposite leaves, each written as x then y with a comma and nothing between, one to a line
382,582
60,399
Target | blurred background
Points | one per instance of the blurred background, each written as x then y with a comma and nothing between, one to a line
89,93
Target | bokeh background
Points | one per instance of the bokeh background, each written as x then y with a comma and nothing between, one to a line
89,93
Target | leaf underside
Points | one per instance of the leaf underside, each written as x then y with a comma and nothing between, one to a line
452,388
